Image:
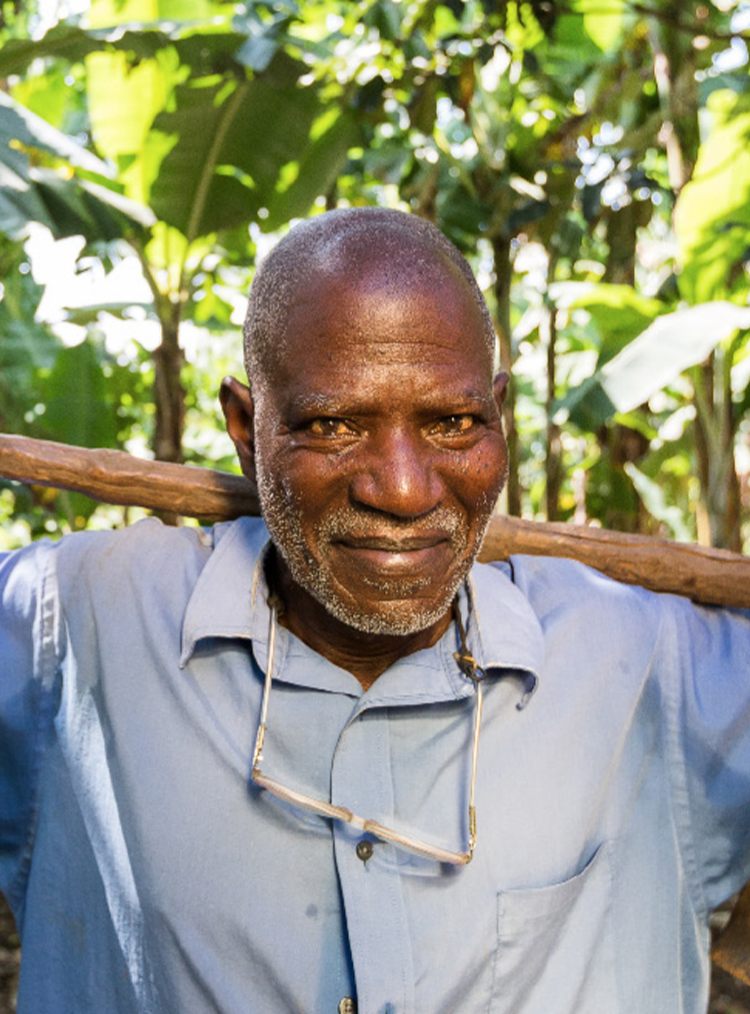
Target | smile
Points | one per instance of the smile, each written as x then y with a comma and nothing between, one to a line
390,555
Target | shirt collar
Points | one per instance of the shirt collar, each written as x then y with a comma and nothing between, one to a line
504,631
230,601
224,600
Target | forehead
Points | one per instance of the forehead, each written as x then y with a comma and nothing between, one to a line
381,314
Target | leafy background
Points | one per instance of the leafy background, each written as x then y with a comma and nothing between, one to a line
590,157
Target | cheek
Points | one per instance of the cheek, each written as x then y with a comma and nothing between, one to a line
306,482
478,479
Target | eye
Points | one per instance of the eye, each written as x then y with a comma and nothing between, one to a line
328,427
455,425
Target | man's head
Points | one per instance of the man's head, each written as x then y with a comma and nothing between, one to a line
346,241
373,428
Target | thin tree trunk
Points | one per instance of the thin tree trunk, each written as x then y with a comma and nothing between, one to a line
622,444
674,73
553,448
503,275
715,427
169,394
703,387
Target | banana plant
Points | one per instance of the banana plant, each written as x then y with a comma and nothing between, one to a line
206,124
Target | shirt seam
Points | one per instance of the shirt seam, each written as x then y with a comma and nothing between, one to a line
43,679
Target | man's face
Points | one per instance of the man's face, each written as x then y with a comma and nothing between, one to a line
379,451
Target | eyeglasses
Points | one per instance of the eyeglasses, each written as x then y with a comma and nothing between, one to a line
302,801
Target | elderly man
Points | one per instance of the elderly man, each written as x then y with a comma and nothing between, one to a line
248,774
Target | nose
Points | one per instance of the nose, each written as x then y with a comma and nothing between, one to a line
398,477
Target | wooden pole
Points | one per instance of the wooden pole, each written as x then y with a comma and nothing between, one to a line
119,478
711,576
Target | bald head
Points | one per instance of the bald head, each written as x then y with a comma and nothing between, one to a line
389,250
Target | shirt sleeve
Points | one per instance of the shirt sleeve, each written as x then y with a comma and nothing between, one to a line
708,731
29,697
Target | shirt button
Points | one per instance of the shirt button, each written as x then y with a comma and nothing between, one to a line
347,1006
364,852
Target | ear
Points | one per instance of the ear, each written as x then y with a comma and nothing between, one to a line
500,389
239,412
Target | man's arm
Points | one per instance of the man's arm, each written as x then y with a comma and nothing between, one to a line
29,697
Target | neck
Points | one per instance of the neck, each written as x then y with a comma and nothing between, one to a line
366,656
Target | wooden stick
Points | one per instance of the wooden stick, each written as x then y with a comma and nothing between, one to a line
710,576
119,478
732,949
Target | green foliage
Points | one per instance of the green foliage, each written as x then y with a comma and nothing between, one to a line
228,142
77,407
651,361
551,142
27,348
34,190
712,215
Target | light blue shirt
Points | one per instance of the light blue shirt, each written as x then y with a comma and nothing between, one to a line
149,874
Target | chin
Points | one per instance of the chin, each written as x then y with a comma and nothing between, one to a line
400,615
391,622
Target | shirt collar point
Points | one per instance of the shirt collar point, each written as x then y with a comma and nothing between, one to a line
531,684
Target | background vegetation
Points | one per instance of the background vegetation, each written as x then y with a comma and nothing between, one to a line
591,157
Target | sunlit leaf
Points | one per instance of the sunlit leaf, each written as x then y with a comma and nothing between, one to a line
231,141
657,504
619,312
670,345
47,95
123,101
23,129
603,20
712,215
67,205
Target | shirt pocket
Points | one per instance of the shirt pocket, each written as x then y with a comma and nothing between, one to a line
555,947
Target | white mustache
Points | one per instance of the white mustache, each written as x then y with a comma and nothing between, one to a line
347,524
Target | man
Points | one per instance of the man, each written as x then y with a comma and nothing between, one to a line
240,774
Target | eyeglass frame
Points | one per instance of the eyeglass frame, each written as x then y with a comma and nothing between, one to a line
471,670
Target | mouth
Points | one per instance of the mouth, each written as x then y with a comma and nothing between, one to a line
391,555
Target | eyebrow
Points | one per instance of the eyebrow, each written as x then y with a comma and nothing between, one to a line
331,404
317,403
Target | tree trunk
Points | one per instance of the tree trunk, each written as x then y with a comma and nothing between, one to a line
715,427
553,449
674,73
503,276
169,394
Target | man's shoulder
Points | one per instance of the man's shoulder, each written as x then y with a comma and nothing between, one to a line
146,552
556,586
146,544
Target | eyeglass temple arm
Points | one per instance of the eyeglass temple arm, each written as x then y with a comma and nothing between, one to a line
474,758
260,738
340,812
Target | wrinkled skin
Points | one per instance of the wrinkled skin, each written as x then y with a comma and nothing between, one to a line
376,444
